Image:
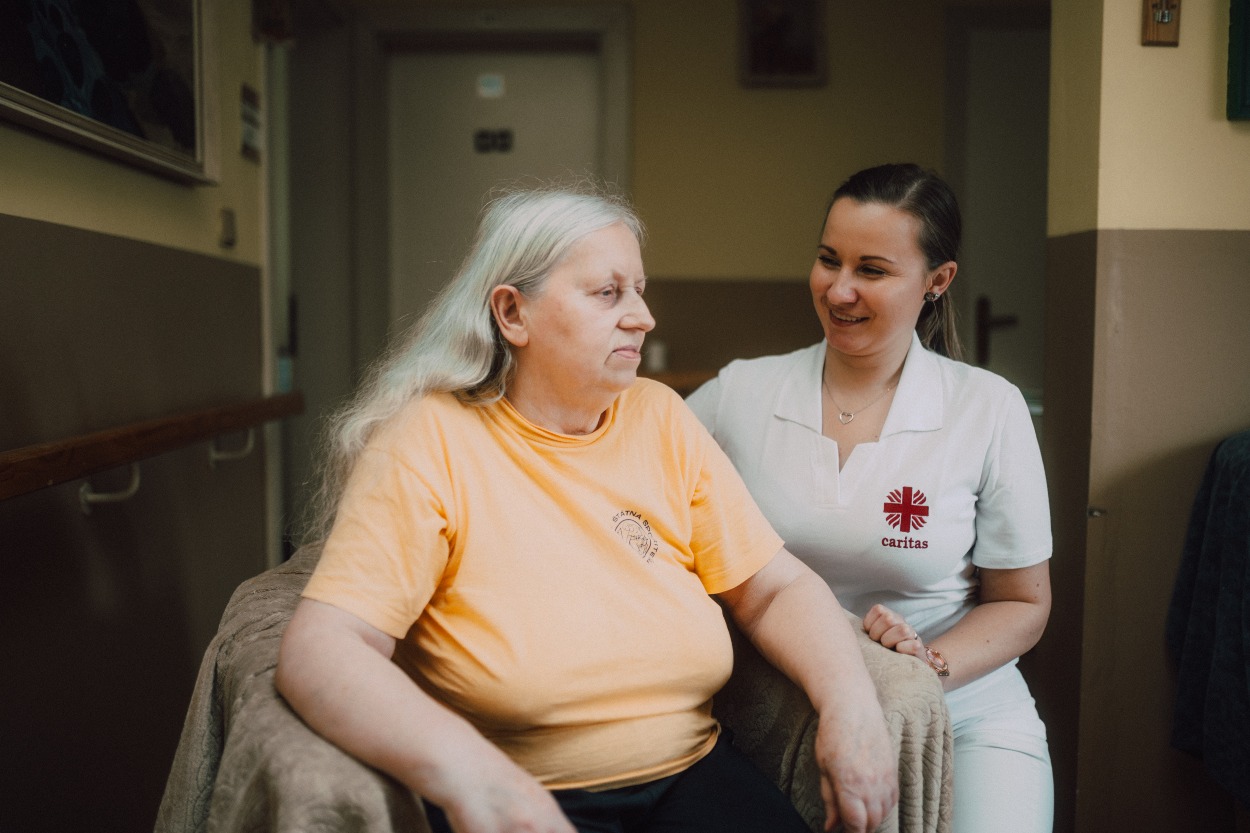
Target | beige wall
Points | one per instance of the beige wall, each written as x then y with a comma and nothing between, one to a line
49,180
732,181
1168,156
1139,138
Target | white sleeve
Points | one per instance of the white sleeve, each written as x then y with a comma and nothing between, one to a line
1013,510
705,402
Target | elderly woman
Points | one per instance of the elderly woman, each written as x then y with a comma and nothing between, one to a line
908,480
512,614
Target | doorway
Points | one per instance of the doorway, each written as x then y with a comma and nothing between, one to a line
997,154
464,124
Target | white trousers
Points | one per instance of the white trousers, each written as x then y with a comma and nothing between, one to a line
1003,779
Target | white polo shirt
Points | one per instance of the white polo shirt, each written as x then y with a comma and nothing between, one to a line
954,482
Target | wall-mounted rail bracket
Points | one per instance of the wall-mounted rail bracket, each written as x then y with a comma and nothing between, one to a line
216,456
86,496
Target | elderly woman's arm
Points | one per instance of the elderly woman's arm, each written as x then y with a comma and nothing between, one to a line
335,671
791,616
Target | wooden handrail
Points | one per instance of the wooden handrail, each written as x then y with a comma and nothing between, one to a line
36,467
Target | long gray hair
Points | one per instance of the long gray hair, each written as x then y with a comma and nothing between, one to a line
455,347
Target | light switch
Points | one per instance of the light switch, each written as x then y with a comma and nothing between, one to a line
1161,22
229,235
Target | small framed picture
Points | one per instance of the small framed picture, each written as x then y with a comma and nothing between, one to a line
781,43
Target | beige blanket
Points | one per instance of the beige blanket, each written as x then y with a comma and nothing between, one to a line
246,763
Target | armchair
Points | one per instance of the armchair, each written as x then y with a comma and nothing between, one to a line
247,764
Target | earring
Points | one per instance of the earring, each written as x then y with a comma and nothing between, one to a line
931,296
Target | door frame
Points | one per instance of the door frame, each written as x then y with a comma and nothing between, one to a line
380,33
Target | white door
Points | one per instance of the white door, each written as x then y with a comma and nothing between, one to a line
463,123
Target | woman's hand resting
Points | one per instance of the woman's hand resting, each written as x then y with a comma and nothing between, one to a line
859,771
500,797
892,631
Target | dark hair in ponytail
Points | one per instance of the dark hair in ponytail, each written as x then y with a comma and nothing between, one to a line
926,196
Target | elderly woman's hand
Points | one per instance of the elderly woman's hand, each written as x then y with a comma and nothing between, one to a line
858,771
500,797
790,615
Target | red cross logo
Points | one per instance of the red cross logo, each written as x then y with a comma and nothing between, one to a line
905,509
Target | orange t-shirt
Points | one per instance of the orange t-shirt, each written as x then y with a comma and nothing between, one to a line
553,589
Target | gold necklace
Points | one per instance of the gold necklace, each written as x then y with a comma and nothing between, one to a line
845,416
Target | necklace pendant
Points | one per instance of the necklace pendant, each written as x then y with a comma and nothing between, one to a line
845,417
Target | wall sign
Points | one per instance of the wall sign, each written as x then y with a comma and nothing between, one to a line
492,141
490,85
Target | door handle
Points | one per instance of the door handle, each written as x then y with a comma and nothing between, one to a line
986,324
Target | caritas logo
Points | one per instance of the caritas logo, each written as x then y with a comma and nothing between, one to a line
905,509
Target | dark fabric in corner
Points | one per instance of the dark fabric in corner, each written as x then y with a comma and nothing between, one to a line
1208,626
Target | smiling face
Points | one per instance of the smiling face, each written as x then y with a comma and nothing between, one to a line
870,277
578,340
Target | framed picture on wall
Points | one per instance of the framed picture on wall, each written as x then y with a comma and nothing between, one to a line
781,43
1239,60
125,79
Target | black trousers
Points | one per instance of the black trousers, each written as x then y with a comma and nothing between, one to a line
722,793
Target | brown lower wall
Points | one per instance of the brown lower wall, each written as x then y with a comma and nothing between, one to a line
98,330
106,615
1053,667
1147,354
1171,352
705,324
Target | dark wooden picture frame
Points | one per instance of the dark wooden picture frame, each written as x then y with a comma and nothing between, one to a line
130,84
1239,60
781,43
